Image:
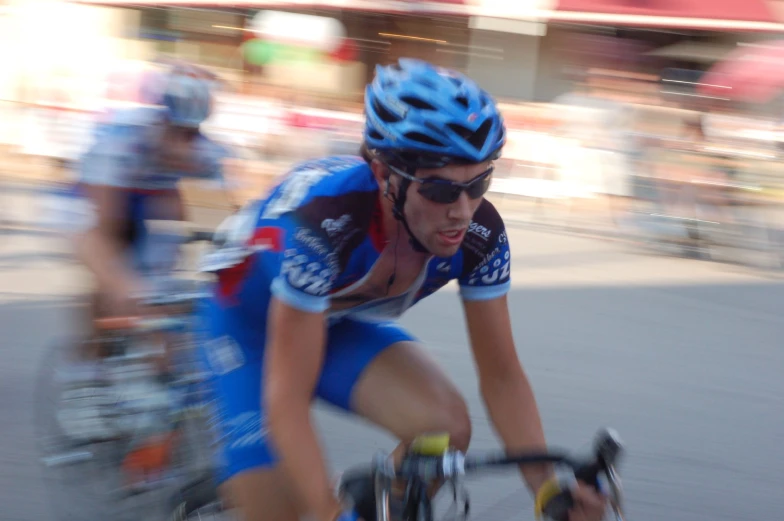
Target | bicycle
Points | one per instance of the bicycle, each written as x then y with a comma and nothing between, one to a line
159,443
428,461
369,491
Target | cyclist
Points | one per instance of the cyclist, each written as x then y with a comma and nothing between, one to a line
130,174
311,278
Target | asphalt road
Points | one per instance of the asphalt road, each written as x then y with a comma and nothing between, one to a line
683,358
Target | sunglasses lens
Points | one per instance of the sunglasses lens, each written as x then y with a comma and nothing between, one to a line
447,193
441,193
479,187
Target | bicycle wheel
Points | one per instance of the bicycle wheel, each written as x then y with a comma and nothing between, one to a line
198,500
85,480
81,478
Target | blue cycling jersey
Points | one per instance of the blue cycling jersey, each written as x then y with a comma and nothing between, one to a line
317,236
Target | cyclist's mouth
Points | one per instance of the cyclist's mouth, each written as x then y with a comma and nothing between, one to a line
452,237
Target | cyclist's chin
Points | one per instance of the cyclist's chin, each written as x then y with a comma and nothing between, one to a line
442,248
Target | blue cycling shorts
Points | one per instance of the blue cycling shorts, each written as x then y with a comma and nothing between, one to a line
236,382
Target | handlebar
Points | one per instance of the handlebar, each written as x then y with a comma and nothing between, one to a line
175,299
138,324
553,500
148,324
183,297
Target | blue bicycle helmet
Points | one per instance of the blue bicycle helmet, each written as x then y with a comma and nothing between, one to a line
421,116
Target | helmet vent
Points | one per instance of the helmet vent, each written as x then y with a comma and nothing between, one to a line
463,101
422,138
385,115
417,103
476,138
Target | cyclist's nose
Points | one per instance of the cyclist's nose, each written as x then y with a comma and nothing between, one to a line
462,209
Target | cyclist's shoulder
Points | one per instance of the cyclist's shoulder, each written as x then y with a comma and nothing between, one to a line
486,231
334,175
211,148
324,188
124,130
129,121
485,244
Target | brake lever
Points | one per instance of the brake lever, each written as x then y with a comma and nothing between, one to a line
615,492
609,449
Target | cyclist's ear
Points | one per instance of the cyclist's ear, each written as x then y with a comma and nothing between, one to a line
380,172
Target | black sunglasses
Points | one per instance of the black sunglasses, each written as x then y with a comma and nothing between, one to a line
443,191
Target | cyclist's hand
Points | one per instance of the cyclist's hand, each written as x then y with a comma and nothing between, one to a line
589,505
124,300
122,304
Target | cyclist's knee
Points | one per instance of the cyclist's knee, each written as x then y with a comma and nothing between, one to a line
457,422
449,415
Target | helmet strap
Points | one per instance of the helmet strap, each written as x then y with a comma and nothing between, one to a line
399,200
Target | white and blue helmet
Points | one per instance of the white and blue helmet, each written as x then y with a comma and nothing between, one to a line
185,91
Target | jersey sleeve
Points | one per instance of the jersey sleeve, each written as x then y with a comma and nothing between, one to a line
211,160
109,160
486,257
308,268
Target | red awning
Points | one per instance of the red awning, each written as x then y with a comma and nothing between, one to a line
697,14
746,10
750,73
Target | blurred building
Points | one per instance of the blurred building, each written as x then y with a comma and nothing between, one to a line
521,51
518,50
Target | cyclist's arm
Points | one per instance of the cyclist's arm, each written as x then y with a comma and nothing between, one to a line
294,353
505,388
504,385
97,247
220,163
103,176
177,206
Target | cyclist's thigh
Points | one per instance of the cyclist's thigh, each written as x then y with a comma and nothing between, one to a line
245,458
380,372
237,384
251,482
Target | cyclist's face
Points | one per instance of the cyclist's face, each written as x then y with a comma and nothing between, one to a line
178,146
440,226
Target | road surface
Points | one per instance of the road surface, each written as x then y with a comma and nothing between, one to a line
682,357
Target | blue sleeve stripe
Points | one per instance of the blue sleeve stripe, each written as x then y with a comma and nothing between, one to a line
298,299
485,292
